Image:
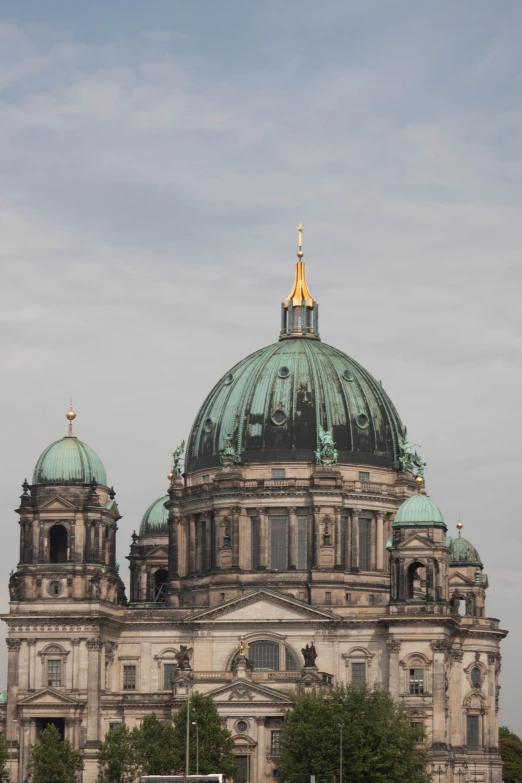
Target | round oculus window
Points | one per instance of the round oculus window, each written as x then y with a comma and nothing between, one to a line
242,725
362,421
284,372
55,588
229,379
347,375
208,425
278,418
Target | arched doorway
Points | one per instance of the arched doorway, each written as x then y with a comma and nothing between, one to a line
160,584
415,580
57,544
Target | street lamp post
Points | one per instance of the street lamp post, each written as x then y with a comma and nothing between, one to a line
341,727
461,772
194,723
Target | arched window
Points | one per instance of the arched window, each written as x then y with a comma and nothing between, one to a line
415,575
476,677
160,584
57,544
266,655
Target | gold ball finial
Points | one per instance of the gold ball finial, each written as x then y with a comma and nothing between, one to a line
300,254
70,415
460,525
419,480
170,476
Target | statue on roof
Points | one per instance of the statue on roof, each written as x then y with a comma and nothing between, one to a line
229,456
178,461
326,454
409,459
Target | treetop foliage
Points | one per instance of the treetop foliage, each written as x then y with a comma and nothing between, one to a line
380,743
53,760
511,752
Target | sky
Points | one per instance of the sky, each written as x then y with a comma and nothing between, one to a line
155,159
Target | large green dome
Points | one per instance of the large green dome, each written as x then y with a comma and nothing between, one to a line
155,519
419,511
69,461
274,402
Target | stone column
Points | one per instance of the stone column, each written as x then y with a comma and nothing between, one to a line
439,647
394,648
263,539
292,538
192,544
31,664
380,540
208,543
174,523
315,537
373,542
492,739
13,653
75,662
36,540
355,538
28,727
235,538
261,750
348,542
338,539
455,698
94,648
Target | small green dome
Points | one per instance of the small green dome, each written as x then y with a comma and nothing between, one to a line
419,511
69,461
464,553
155,519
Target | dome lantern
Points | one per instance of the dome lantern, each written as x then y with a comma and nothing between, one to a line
300,311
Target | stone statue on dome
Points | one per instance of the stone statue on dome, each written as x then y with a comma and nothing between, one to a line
326,454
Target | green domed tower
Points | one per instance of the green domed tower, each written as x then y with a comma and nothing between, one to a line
68,520
295,465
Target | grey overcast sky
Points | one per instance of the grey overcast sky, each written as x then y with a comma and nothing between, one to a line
155,158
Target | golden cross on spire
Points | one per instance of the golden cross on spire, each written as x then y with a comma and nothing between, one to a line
300,253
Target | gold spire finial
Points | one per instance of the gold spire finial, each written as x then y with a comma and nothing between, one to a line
460,525
300,253
70,416
242,647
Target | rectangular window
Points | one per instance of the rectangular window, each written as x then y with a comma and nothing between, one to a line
256,541
371,599
169,672
278,543
328,598
472,732
302,596
206,478
364,544
302,542
278,473
364,476
114,725
54,674
275,743
129,678
348,598
358,673
416,681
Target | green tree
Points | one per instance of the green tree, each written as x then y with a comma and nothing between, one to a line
154,745
53,760
117,757
380,744
4,759
215,745
511,752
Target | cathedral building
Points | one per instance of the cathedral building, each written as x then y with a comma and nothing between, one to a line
295,547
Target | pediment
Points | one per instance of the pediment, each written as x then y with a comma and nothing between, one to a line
417,541
160,552
58,504
262,605
49,696
460,579
248,692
